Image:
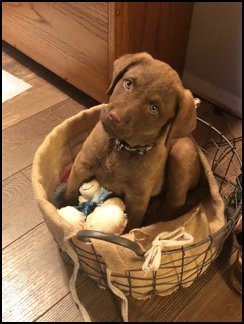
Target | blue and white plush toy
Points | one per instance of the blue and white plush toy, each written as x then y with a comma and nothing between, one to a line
98,210
91,196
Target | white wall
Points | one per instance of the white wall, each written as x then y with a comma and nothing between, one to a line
213,66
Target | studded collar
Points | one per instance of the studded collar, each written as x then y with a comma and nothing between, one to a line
124,146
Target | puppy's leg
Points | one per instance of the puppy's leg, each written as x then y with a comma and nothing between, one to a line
136,206
80,172
84,164
183,173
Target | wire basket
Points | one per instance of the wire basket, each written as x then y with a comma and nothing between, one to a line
226,166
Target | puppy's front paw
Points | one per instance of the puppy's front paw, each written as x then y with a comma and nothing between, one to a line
62,197
59,200
70,198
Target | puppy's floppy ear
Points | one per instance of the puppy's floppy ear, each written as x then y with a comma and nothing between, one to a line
122,64
185,119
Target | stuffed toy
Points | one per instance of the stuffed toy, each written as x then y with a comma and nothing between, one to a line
72,216
109,217
91,196
98,210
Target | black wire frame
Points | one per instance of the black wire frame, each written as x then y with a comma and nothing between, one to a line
221,154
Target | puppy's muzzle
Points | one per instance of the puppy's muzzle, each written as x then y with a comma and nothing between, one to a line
114,118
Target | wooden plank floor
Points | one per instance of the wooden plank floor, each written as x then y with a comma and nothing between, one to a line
35,276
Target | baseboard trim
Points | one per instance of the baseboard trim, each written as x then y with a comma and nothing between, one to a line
213,93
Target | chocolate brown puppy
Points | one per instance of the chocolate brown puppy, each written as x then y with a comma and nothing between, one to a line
145,124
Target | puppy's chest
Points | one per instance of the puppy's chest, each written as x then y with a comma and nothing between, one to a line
117,169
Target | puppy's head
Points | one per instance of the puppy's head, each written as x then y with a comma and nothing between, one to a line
145,96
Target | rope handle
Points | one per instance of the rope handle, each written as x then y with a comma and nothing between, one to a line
176,238
90,234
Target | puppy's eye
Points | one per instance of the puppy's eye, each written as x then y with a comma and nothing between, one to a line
128,84
153,109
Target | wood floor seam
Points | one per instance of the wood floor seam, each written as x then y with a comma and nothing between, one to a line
20,237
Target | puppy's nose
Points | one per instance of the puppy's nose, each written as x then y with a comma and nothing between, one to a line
114,117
